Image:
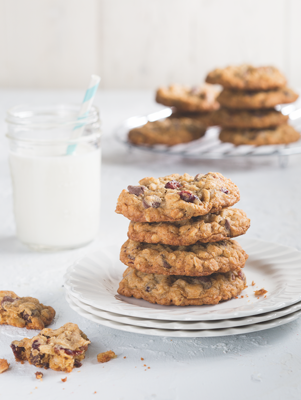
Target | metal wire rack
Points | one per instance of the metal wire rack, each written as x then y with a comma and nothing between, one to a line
209,146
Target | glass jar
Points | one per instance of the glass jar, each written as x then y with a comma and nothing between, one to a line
56,194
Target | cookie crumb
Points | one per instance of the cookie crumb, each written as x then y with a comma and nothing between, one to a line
4,365
94,392
260,292
39,375
124,357
106,356
64,380
144,365
148,367
253,283
142,359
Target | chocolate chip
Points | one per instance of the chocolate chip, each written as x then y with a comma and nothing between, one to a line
198,177
173,185
224,190
77,364
151,201
25,316
147,289
166,265
131,257
205,281
7,299
137,190
227,224
17,352
188,196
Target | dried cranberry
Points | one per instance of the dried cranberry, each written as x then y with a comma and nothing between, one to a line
137,190
36,345
151,201
173,185
242,275
69,352
17,351
224,190
188,196
77,364
7,299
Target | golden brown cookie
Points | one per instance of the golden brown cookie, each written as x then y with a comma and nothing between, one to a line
184,98
283,134
24,312
200,259
169,131
247,77
228,223
177,197
250,100
249,118
61,349
182,290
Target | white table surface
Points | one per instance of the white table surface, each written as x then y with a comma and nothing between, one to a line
264,365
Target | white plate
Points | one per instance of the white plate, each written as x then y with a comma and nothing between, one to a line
94,280
186,325
182,333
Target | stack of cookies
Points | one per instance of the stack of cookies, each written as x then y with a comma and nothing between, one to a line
247,114
179,250
192,111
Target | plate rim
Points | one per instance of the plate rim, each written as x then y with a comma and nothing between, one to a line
205,317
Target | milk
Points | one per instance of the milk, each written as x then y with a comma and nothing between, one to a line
56,198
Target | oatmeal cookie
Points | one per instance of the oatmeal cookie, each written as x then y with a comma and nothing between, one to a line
282,134
228,223
24,312
184,98
200,259
249,119
4,365
204,118
247,77
182,290
61,349
250,100
169,131
177,197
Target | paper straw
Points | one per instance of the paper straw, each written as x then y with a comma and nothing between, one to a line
84,111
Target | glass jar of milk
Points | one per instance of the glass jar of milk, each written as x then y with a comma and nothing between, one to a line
56,192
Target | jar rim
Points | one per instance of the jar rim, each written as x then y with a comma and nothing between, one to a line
49,117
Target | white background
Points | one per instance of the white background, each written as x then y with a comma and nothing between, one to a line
143,43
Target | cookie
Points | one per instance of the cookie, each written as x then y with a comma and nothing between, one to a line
228,223
61,349
177,197
204,118
169,131
182,290
200,259
249,119
282,134
184,98
24,312
247,77
256,100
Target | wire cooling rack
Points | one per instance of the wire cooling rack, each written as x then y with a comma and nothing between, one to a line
209,146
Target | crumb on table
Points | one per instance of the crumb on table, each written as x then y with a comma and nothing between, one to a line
39,375
4,365
260,292
253,283
106,356
64,380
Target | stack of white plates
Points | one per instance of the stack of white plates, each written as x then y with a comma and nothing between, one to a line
91,290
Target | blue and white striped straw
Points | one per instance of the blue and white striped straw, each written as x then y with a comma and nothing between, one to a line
84,111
